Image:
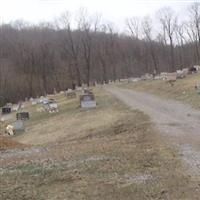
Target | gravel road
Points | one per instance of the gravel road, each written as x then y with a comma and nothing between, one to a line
179,123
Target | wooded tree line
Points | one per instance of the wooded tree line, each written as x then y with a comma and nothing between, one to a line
36,59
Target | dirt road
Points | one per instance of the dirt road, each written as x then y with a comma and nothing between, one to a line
179,123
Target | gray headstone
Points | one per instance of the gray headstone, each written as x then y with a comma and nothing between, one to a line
18,125
87,101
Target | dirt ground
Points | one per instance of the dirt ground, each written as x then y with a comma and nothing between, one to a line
7,143
178,122
110,152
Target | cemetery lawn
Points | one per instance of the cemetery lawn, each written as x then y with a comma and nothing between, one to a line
110,152
183,89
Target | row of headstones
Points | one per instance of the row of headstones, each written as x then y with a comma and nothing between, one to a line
9,107
87,98
179,74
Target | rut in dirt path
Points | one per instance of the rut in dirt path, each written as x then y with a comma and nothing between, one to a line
178,122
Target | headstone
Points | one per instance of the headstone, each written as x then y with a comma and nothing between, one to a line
164,75
45,101
158,77
185,71
87,91
79,88
15,107
171,78
22,116
192,70
197,67
181,74
51,106
87,101
18,125
6,110
34,102
71,94
147,77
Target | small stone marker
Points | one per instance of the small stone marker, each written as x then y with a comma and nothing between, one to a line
45,101
71,94
87,91
34,102
171,78
87,101
16,107
180,74
22,116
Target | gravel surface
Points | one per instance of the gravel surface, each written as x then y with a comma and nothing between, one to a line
179,123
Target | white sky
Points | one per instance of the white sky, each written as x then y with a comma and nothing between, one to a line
115,11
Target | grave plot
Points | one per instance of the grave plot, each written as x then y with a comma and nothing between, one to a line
87,101
15,127
51,106
22,116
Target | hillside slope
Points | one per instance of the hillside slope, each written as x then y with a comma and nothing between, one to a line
183,89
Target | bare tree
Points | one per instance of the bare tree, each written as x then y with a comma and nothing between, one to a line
168,21
147,29
74,47
194,13
133,25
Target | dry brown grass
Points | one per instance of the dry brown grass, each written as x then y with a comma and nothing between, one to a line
183,89
8,143
105,153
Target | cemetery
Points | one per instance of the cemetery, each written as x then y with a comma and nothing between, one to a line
100,100
70,132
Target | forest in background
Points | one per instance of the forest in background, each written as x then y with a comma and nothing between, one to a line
37,59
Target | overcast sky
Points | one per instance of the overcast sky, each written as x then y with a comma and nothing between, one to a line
115,11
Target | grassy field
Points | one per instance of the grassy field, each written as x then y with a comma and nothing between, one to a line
110,152
183,89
